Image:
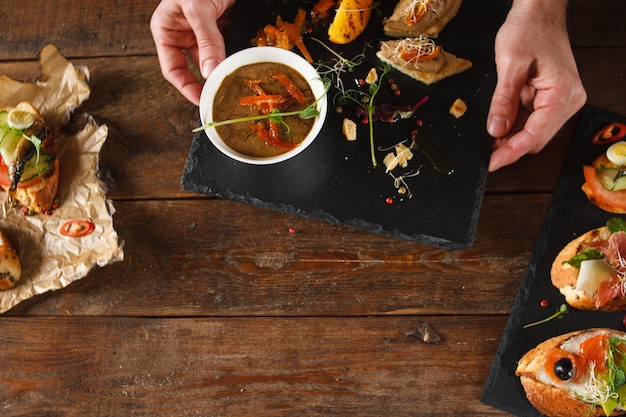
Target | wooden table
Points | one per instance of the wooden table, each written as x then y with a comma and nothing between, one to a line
217,309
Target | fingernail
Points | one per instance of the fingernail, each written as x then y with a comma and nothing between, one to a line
497,126
208,66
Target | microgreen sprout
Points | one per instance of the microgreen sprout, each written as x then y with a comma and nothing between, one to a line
366,100
274,115
560,312
400,184
340,66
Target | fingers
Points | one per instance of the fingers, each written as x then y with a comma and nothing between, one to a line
209,40
549,110
188,30
506,97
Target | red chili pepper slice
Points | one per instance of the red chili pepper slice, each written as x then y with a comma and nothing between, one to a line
609,134
77,228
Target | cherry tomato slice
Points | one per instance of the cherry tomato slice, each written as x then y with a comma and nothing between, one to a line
609,134
77,228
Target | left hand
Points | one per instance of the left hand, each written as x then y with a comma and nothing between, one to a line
536,68
189,29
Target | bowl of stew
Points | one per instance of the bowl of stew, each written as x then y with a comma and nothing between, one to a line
258,105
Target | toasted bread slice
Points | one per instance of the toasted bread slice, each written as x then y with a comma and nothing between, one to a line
39,193
10,266
436,15
565,276
427,71
39,197
552,395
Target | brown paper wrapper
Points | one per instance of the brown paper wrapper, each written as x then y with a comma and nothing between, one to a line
51,261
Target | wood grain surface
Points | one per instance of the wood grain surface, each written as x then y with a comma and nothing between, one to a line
217,309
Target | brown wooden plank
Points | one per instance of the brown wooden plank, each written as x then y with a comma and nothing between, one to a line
78,29
603,80
220,258
597,23
121,28
117,366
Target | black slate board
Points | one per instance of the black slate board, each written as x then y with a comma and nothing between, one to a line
569,215
334,180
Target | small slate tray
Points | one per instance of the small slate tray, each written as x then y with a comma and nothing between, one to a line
570,214
334,180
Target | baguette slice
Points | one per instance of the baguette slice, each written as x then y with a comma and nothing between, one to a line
569,397
38,197
437,15
565,277
10,266
429,71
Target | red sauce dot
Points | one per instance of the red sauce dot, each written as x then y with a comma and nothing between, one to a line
389,200
292,231
397,92
544,303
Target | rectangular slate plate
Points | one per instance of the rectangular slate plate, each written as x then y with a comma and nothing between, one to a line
334,180
570,214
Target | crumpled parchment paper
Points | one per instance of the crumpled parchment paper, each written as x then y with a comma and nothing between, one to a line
51,261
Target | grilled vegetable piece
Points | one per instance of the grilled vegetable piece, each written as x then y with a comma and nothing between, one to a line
350,20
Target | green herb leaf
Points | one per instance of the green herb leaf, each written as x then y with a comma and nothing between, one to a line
275,116
309,113
616,224
577,259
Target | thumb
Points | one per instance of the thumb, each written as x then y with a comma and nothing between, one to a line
209,39
211,48
505,101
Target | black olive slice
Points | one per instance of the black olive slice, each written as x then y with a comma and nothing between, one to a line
564,369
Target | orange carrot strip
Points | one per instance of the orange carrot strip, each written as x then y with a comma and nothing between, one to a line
266,135
286,82
294,32
271,99
321,11
255,86
410,55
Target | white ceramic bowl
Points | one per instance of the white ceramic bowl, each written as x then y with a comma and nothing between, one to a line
251,56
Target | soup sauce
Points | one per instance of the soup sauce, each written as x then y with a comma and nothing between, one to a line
226,106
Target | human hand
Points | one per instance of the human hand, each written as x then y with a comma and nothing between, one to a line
191,29
536,68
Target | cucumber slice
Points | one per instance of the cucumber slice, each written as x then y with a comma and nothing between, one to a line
612,179
33,169
620,183
3,119
8,145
